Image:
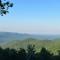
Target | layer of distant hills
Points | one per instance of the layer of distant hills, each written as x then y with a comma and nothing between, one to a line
10,36
20,40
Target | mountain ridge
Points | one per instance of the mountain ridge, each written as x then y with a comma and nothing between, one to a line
9,36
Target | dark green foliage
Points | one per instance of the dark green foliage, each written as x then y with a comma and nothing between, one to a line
21,54
29,54
45,54
4,6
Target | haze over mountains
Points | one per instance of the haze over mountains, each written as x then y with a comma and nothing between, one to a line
10,36
20,40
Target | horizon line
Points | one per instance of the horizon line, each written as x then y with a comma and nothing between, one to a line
31,33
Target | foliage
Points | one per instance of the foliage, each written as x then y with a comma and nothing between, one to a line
4,6
51,45
29,54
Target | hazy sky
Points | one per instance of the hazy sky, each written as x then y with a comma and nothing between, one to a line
32,16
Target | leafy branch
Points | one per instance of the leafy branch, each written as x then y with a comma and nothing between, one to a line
4,6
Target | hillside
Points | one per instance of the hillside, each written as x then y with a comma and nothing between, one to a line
20,40
10,36
51,45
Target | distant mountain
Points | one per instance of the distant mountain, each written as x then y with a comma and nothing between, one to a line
10,36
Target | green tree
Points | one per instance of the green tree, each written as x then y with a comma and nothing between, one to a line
4,6
21,54
45,54
31,52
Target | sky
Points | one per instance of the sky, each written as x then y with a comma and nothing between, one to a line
32,16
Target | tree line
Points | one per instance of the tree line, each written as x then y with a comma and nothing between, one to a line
29,54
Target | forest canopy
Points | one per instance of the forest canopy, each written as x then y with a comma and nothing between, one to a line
29,54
